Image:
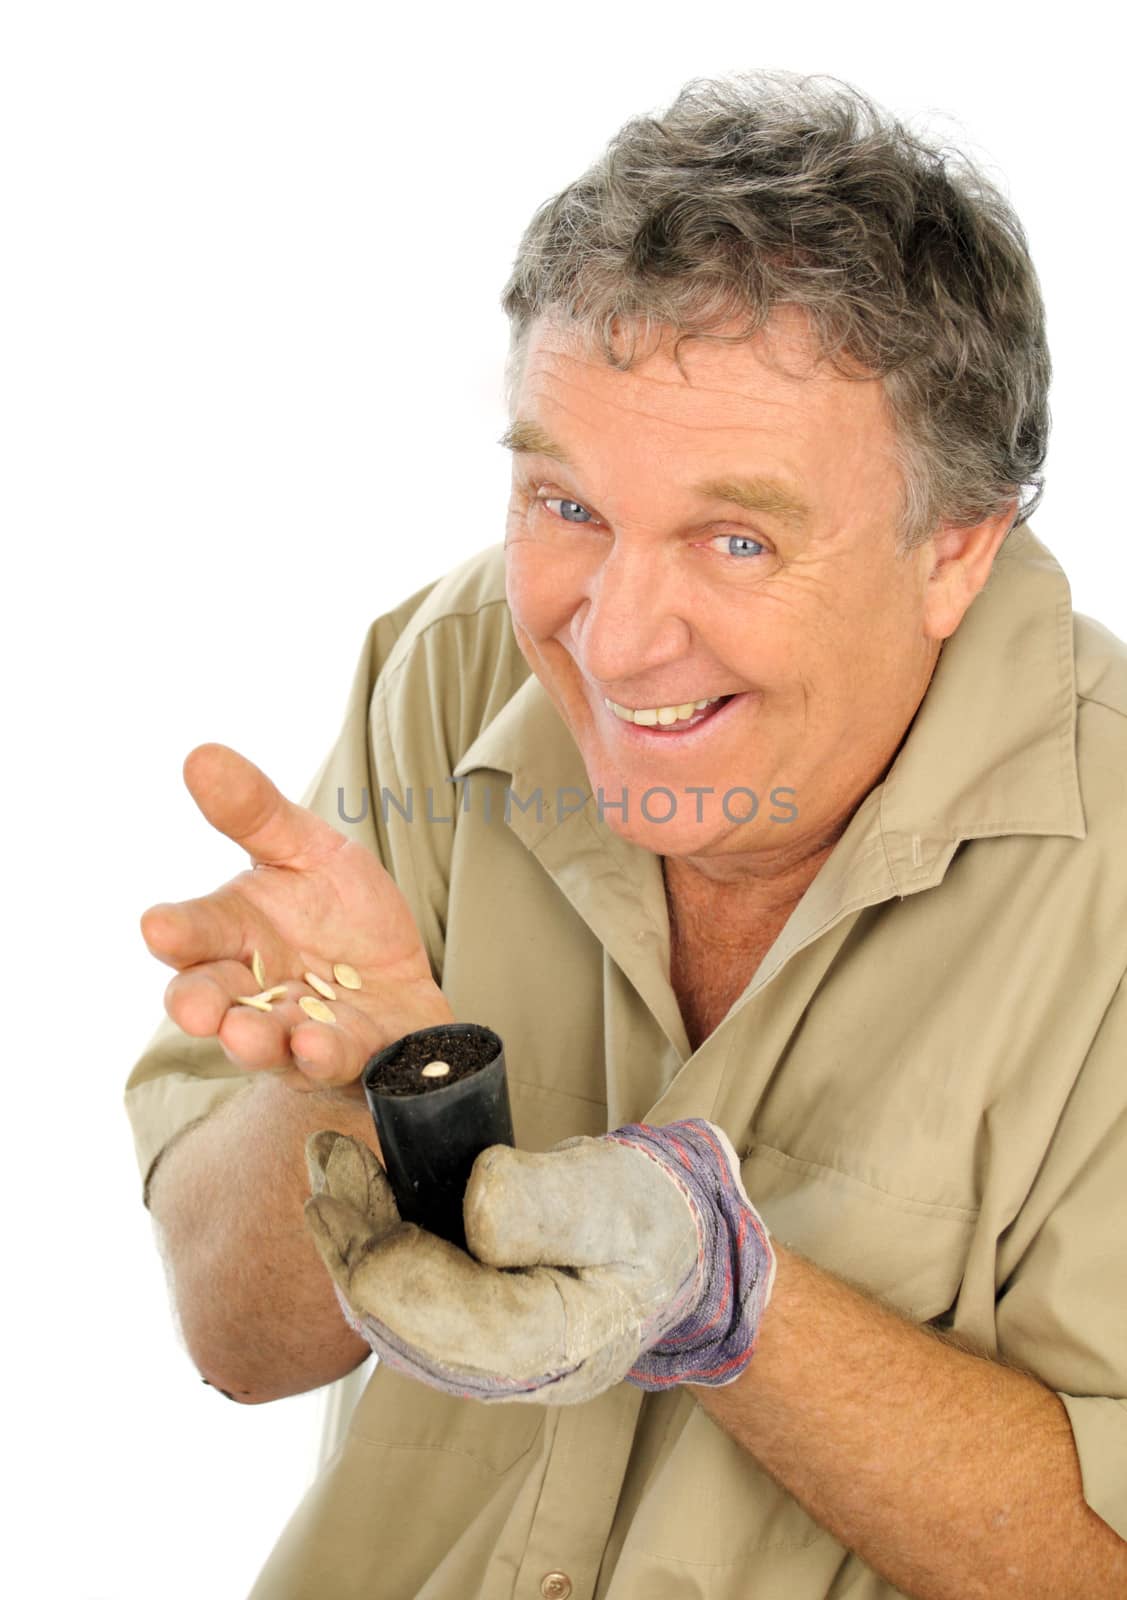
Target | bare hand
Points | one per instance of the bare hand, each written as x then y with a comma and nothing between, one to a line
312,899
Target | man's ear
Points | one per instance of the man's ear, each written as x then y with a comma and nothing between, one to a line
959,562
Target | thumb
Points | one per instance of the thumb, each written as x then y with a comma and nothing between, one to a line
351,1208
347,1170
238,799
341,1235
586,1204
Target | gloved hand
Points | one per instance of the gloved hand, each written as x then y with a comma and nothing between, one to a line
634,1256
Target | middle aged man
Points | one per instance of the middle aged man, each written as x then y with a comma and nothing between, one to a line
767,797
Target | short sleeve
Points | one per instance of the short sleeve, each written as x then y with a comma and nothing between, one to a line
1062,1312
178,1079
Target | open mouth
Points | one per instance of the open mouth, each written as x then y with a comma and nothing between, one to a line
681,725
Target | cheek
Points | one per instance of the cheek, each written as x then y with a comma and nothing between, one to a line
543,589
875,656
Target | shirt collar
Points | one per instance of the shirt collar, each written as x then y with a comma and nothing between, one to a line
992,748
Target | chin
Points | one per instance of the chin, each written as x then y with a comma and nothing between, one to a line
676,837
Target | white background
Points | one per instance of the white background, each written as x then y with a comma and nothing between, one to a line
250,388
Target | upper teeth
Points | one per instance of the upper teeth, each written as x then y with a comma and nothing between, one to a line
660,714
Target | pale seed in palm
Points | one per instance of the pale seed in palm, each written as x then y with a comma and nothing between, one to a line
259,1001
317,1009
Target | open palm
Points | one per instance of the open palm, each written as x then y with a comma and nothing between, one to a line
311,900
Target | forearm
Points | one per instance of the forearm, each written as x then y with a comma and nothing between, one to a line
951,1475
255,1304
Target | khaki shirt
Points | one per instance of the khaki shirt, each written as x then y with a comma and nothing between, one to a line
926,1081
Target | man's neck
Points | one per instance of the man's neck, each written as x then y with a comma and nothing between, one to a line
743,889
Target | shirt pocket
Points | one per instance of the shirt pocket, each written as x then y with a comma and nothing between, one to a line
398,1412
908,1252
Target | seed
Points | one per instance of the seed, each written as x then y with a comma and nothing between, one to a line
317,1009
258,969
258,1001
278,992
436,1069
346,976
320,985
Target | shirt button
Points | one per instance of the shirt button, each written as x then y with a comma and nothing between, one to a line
555,1586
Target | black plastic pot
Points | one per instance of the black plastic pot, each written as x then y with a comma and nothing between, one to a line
431,1132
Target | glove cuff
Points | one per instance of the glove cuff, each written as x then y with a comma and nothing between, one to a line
714,1338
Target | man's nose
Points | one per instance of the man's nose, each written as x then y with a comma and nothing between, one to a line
630,622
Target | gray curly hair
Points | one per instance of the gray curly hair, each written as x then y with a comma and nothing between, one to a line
767,189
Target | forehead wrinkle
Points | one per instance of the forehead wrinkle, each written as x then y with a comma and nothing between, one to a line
569,354
637,376
543,392
709,427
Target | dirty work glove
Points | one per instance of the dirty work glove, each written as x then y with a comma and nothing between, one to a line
635,1256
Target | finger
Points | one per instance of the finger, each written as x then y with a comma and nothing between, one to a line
587,1205
256,1040
327,1054
204,1002
198,998
216,927
332,1055
341,1234
239,800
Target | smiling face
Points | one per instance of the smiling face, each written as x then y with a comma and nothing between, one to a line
719,529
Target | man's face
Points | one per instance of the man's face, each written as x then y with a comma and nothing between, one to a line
728,533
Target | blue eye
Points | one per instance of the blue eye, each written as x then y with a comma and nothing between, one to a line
566,509
738,545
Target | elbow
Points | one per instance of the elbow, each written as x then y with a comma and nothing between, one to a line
261,1393
244,1398
227,1366
253,1371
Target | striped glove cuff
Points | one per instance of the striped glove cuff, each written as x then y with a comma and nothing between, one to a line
712,1341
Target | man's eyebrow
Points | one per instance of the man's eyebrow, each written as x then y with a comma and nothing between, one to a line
763,495
530,438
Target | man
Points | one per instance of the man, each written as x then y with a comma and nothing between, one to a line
782,844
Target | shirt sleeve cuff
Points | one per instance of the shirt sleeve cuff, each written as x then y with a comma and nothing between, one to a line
164,1107
1099,1426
